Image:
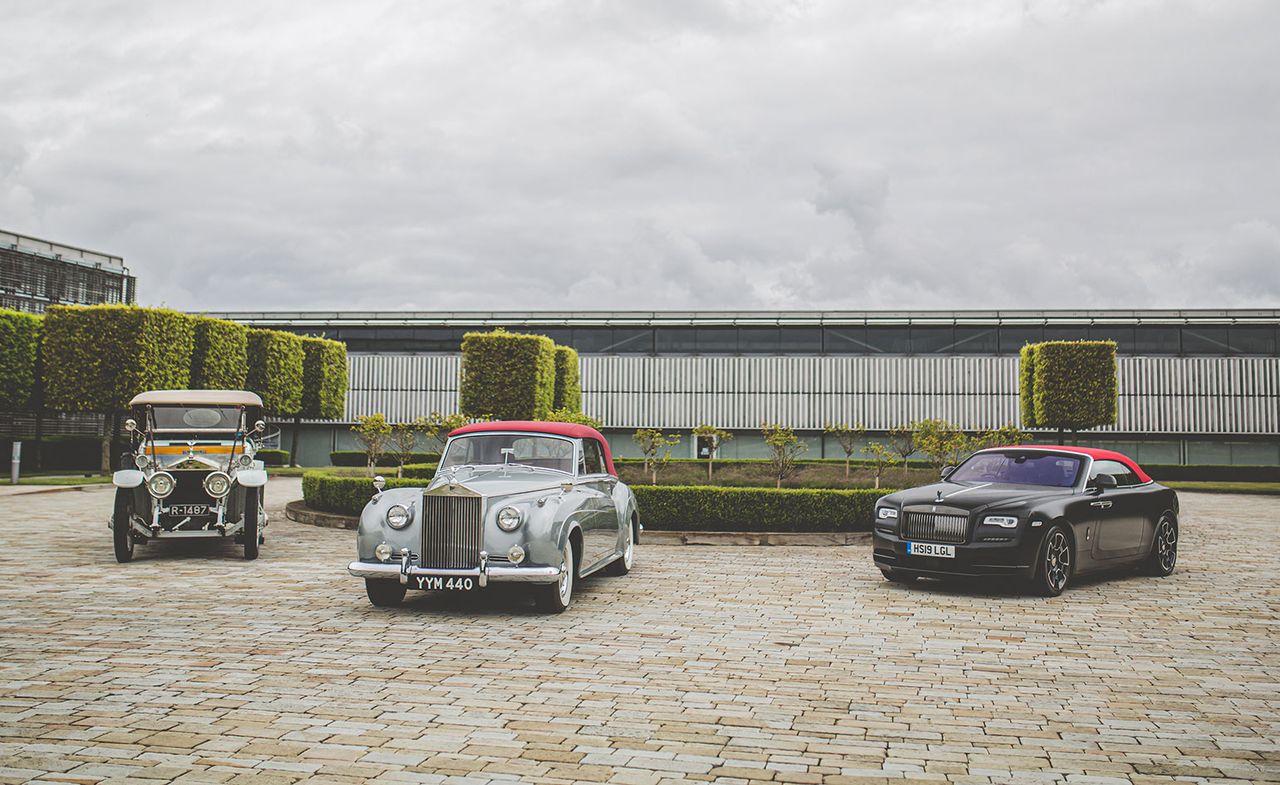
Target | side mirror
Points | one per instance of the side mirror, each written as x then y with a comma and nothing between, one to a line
946,471
1104,482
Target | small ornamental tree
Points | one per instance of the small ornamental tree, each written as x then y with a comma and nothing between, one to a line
569,415
902,439
785,449
714,438
882,457
942,442
1072,385
19,351
507,376
1004,436
373,433
220,355
437,427
275,370
656,447
568,393
847,436
403,440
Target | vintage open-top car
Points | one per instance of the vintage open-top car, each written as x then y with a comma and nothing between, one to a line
191,471
537,503
1040,514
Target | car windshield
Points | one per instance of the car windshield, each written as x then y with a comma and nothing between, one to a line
547,452
1019,468
196,418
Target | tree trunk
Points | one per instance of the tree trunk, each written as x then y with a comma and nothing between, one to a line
779,484
877,481
1060,438
709,460
37,453
846,468
108,425
293,448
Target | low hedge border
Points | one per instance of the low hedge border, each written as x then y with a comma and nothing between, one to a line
358,458
689,508
273,457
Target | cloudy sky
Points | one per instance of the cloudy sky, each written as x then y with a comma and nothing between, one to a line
659,154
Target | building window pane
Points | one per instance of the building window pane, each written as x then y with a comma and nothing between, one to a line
889,340
932,340
801,340
975,340
632,340
1253,340
562,336
717,340
758,340
1205,340
1157,340
592,340
1123,336
1012,339
845,340
675,340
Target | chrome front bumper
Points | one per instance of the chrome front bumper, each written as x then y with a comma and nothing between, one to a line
486,572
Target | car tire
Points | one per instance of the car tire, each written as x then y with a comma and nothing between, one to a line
1164,548
384,594
1055,562
556,597
121,524
621,566
893,576
252,516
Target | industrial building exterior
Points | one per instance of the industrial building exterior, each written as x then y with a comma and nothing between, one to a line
1198,386
37,273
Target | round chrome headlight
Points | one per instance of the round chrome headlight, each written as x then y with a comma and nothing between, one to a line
397,516
509,519
142,461
383,552
217,485
246,460
161,484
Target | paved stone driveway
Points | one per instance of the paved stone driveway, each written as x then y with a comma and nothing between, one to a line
721,664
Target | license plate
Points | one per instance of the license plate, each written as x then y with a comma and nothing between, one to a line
440,583
931,549
188,509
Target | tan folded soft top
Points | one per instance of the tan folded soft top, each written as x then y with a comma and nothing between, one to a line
196,398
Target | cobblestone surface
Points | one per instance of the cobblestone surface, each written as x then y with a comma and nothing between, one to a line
732,665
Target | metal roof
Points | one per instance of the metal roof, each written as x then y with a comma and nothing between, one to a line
196,398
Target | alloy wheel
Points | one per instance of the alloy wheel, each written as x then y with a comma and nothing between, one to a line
1167,545
1057,561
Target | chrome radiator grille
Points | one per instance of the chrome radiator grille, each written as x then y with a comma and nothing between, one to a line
452,532
936,527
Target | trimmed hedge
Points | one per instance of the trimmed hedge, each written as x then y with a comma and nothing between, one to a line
507,376
275,370
220,355
706,508
1073,384
1211,473
19,354
358,458
96,358
343,495
420,471
568,393
273,457
1026,385
324,379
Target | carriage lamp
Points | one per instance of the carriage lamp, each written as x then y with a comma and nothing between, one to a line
515,555
1003,521
141,461
161,484
397,516
509,519
887,514
379,482
383,552
131,425
217,485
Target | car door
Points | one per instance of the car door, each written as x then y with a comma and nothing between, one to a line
1121,523
600,528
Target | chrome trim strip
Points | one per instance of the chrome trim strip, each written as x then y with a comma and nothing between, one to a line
495,572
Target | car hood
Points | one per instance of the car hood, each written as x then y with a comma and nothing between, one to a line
501,481
977,498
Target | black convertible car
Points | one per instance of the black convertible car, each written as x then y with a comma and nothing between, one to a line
1041,514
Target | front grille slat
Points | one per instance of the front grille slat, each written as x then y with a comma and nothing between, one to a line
936,527
452,532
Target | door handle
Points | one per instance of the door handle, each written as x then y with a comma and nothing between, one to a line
1103,505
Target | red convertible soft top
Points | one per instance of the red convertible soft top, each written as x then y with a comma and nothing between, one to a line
1092,452
569,429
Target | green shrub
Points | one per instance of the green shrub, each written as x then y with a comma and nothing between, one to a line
704,508
96,358
357,458
273,457
220,355
568,394
343,495
19,353
275,370
1073,383
507,376
324,379
1026,385
420,471
571,416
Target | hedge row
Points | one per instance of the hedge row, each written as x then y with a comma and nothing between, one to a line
324,378
420,471
728,462
220,355
19,354
273,457
358,458
275,370
706,508
1068,384
1211,473
343,495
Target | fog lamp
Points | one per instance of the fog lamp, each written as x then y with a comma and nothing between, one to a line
383,552
515,555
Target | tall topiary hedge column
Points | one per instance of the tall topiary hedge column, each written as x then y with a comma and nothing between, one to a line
19,350
220,360
275,370
568,394
507,376
324,385
1071,385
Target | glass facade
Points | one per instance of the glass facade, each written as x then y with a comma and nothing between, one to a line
1143,340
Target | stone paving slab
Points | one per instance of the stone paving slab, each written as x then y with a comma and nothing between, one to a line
710,664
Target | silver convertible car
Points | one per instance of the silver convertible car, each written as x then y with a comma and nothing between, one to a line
537,503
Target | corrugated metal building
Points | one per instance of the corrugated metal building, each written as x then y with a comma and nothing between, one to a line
1197,386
